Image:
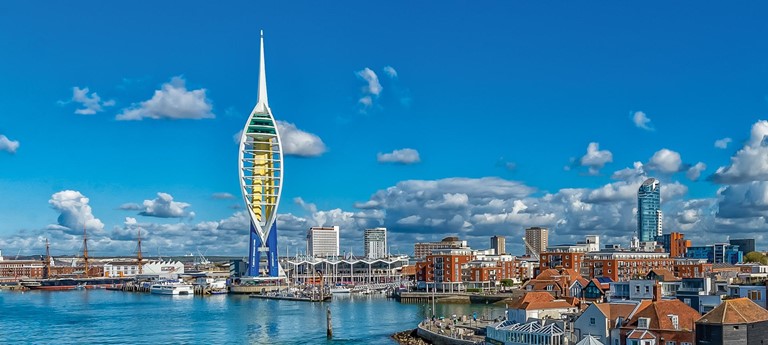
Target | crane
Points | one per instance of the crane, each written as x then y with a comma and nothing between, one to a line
530,247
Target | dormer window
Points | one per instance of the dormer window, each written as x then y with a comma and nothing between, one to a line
675,321
643,322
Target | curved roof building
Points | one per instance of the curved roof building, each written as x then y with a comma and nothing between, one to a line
261,179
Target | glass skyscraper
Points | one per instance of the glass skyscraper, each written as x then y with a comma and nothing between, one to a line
649,210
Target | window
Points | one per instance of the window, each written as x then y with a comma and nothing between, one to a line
456,260
637,289
687,301
684,343
609,271
647,289
671,343
755,295
642,323
591,320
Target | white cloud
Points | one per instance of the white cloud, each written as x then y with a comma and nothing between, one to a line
402,156
694,172
371,90
665,161
642,121
750,163
723,143
748,200
310,207
390,71
8,145
164,207
222,196
91,104
373,87
74,212
172,101
299,143
595,159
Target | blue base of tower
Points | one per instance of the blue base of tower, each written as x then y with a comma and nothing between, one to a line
254,255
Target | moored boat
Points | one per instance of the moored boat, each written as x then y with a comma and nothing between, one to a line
340,290
171,288
73,283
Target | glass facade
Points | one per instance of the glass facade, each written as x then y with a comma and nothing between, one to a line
649,216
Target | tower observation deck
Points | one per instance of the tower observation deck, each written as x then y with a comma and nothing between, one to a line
261,179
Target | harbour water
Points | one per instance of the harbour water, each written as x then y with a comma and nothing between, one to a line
114,317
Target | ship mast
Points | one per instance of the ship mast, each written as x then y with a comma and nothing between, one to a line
85,249
47,263
139,253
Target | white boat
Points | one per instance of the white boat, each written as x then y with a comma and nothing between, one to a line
340,290
171,289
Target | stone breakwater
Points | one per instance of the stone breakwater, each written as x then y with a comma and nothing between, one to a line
408,337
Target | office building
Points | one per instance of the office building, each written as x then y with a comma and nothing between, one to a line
375,243
746,245
537,238
323,241
649,217
717,253
499,245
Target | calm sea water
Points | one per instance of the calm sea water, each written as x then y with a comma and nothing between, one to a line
114,317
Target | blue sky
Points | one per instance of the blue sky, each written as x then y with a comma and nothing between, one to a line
497,105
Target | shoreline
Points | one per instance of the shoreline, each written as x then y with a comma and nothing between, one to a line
409,337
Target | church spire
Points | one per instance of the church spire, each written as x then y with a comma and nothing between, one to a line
263,104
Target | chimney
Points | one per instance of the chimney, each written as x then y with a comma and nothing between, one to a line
656,292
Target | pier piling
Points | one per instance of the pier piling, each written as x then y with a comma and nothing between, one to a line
329,326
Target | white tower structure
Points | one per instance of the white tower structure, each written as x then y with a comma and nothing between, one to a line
261,180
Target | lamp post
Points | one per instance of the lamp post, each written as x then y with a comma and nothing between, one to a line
434,287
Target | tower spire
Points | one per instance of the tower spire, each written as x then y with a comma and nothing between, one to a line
263,104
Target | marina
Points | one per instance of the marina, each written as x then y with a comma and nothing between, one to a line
72,318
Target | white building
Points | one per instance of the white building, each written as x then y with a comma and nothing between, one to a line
162,269
375,243
535,332
323,241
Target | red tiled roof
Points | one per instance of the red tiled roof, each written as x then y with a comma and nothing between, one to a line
664,275
531,297
613,311
735,312
641,334
557,304
658,312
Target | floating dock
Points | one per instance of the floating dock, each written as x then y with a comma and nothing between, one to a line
290,298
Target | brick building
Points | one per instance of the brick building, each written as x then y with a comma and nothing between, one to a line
659,323
443,268
691,268
624,265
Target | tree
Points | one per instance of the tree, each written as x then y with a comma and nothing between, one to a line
756,257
